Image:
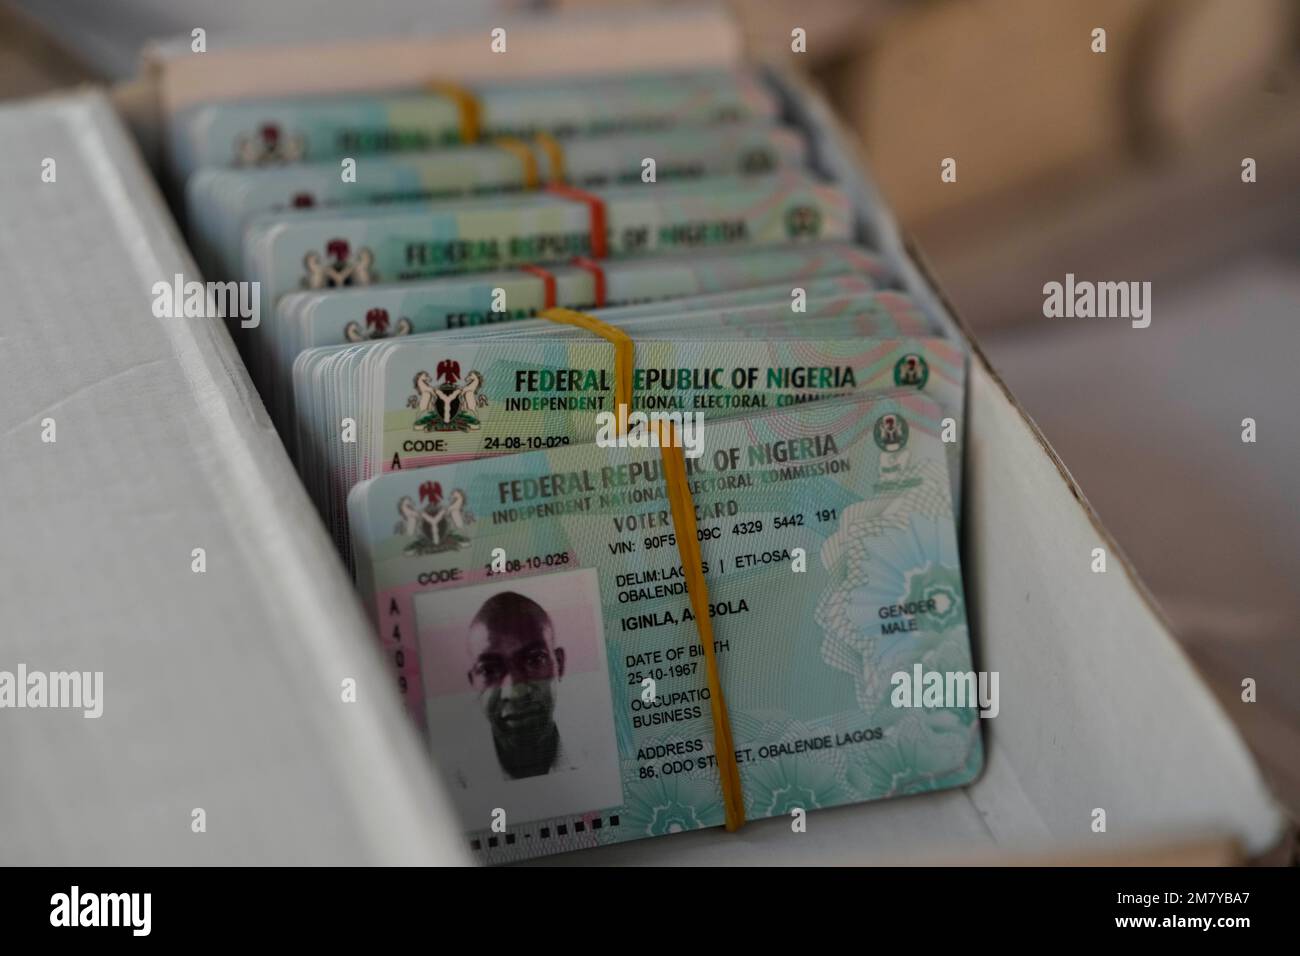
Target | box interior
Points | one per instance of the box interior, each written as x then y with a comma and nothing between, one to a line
1100,709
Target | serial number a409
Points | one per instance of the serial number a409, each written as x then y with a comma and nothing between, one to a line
519,442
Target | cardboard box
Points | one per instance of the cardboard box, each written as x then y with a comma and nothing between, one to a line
222,690
1100,709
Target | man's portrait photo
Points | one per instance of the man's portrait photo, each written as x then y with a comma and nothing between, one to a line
517,671
518,701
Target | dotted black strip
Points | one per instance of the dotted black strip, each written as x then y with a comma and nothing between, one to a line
561,829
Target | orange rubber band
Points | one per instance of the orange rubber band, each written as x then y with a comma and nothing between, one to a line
466,104
554,156
597,276
526,156
548,284
688,549
599,240
623,354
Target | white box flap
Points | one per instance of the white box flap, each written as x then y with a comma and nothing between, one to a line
222,690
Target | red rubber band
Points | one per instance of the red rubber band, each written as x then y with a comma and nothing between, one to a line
548,284
598,277
599,242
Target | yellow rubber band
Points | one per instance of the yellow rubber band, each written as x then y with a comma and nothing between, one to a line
466,104
688,549
554,157
623,354
532,179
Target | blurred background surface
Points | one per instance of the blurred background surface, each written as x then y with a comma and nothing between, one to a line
1123,165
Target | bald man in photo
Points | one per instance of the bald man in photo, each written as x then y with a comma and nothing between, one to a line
516,671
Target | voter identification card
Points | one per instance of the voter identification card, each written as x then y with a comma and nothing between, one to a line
481,303
543,392
327,381
848,297
534,609
268,132
353,314
220,200
365,245
511,396
745,312
397,242
337,384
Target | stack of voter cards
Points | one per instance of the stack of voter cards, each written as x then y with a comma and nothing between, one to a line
485,319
